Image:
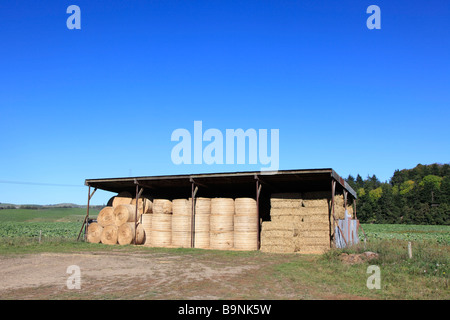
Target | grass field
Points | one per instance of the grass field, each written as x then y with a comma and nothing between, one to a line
230,274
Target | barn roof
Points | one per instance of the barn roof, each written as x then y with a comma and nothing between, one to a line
222,184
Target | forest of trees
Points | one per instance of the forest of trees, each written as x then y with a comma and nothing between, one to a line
412,196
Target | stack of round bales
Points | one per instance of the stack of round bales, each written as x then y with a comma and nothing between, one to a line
202,223
161,233
246,224
118,222
221,223
181,223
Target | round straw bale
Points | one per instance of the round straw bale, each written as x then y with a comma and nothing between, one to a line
246,240
221,240
144,205
245,206
125,213
147,225
222,206
181,207
122,198
202,205
109,235
221,222
94,232
106,217
162,206
126,233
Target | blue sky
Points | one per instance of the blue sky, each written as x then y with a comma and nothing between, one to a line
103,101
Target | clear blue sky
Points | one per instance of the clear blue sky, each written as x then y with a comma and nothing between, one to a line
103,101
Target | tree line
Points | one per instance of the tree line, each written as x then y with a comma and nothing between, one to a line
412,196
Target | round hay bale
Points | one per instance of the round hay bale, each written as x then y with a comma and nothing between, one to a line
201,240
106,217
109,235
161,234
245,206
144,205
127,231
221,222
122,198
146,221
221,240
125,213
94,232
202,223
181,207
202,205
181,230
162,206
181,223
246,240
181,239
222,206
246,223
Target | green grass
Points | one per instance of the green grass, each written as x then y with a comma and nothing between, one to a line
425,276
50,223
439,234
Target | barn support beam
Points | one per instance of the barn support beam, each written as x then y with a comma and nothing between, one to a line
333,192
138,195
194,190
86,218
258,192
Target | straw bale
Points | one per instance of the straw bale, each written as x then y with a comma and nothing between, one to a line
315,203
161,238
94,232
144,205
222,206
161,222
219,222
221,240
126,233
271,225
125,213
202,223
299,211
285,203
278,248
146,221
202,240
122,198
202,206
181,207
181,239
109,234
268,234
106,216
246,240
162,206
181,223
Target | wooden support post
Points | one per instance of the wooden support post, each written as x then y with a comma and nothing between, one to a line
258,191
138,195
194,190
333,191
86,218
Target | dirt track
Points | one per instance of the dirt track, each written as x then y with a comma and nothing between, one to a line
131,275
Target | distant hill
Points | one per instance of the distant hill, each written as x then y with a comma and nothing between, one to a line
38,206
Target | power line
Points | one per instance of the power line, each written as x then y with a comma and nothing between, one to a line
41,184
